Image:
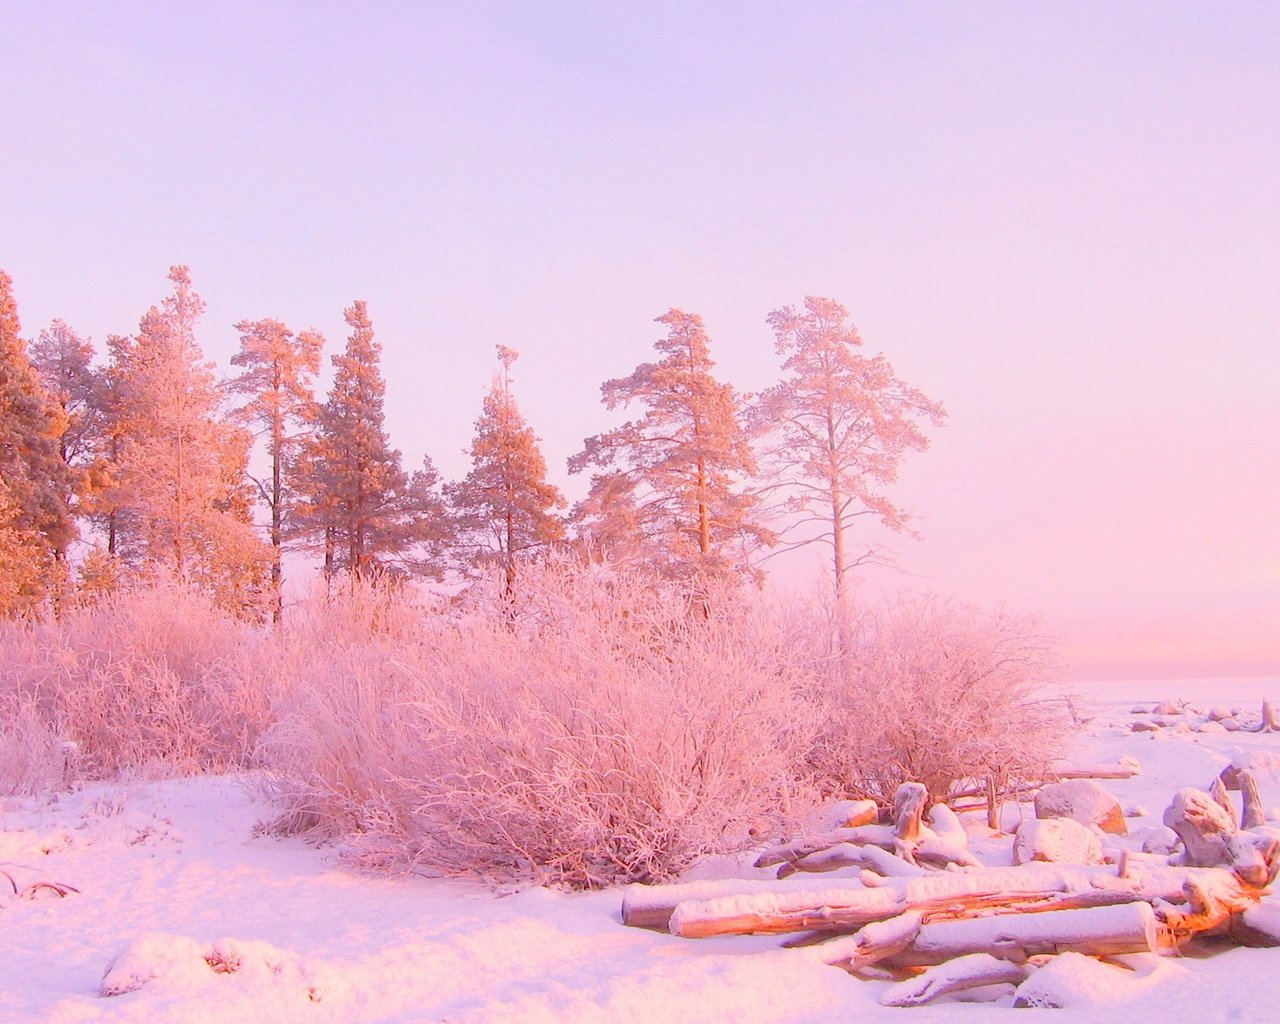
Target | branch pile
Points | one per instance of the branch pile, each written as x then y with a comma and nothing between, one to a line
921,900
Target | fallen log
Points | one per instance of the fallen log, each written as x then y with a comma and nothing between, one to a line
650,906
1032,888
1132,927
975,970
845,855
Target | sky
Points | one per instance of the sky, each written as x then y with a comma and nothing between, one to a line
1062,221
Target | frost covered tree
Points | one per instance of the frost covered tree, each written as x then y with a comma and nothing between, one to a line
34,516
671,483
505,507
64,362
277,382
181,463
355,494
836,429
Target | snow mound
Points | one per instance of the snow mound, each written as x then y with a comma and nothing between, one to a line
1073,979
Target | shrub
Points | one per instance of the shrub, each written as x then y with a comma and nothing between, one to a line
147,677
933,691
597,732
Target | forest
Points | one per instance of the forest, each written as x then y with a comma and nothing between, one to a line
483,680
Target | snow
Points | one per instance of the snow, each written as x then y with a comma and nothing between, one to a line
188,915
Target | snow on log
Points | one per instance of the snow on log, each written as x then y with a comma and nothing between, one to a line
964,972
1124,768
1098,931
650,906
844,855
861,835
1031,887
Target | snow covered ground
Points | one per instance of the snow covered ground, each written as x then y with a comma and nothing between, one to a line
188,916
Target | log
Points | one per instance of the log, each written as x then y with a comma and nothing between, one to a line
844,855
1132,927
1218,790
1270,720
1031,888
650,906
965,972
861,835
908,813
1210,839
1251,812
1096,931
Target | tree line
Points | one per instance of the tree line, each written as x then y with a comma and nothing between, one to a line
146,456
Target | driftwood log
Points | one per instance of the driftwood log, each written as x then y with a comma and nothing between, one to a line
981,926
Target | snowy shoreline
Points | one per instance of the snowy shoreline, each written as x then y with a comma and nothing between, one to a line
172,875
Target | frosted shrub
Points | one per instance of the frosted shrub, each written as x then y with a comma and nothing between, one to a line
602,730
143,678
34,757
936,692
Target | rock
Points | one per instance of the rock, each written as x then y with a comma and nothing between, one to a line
1167,707
1162,840
1136,811
1140,709
1257,926
1083,801
1231,725
1145,725
1218,713
1057,841
1264,764
1210,726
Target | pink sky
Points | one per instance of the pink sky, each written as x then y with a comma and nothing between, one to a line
1061,221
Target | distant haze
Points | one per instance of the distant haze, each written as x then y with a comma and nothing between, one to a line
1063,221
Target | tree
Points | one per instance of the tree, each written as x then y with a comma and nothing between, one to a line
279,369
63,360
836,428
355,491
181,463
505,506
672,480
34,517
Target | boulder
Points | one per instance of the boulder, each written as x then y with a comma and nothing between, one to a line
1084,801
1058,841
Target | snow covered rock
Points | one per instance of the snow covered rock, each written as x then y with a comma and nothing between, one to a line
1083,801
1264,764
1167,707
1057,841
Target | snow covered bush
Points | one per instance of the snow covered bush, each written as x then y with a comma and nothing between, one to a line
932,691
152,678
602,730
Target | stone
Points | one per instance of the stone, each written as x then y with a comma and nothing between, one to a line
1084,801
1057,841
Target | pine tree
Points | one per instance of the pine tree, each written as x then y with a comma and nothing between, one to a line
182,465
63,360
673,479
837,427
505,505
34,517
353,484
277,379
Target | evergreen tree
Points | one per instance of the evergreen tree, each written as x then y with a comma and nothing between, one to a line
673,479
63,360
182,465
505,506
353,484
279,369
837,427
34,519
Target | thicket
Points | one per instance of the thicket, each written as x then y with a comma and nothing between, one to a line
595,727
